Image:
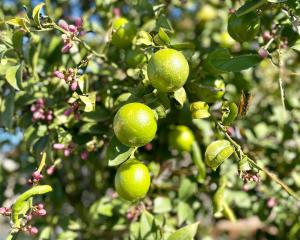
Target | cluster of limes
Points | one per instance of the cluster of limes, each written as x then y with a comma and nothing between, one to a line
135,124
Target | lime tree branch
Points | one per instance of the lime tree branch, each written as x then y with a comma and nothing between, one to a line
271,175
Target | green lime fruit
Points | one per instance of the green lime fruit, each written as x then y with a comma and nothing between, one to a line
243,28
135,58
123,33
206,13
135,124
168,70
181,138
132,180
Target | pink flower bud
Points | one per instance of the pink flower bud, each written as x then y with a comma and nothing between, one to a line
148,147
73,29
117,12
33,108
78,22
84,155
59,74
41,102
2,210
66,48
33,231
37,175
29,217
266,36
67,152
63,24
271,203
40,206
263,53
245,188
41,212
58,146
74,85
255,178
51,170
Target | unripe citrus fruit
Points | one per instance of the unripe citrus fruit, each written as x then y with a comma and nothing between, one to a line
181,138
168,70
132,180
135,58
225,40
135,124
243,28
206,13
123,33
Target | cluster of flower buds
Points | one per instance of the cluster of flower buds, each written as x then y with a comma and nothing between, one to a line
39,112
39,210
134,212
30,230
72,31
247,176
5,211
73,109
35,178
68,149
69,76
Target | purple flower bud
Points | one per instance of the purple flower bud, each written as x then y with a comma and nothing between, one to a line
74,85
40,102
68,111
41,212
51,170
33,231
67,152
2,210
84,155
73,29
81,33
59,74
49,117
63,24
78,22
58,146
266,35
29,217
66,48
263,53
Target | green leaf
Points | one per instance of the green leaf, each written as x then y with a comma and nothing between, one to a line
148,228
117,152
296,46
198,161
183,46
89,102
164,23
161,38
14,76
217,152
180,97
230,113
186,189
162,205
185,212
7,109
19,22
186,233
36,13
144,38
220,61
250,6
218,198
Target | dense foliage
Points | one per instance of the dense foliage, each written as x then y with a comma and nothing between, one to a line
204,93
